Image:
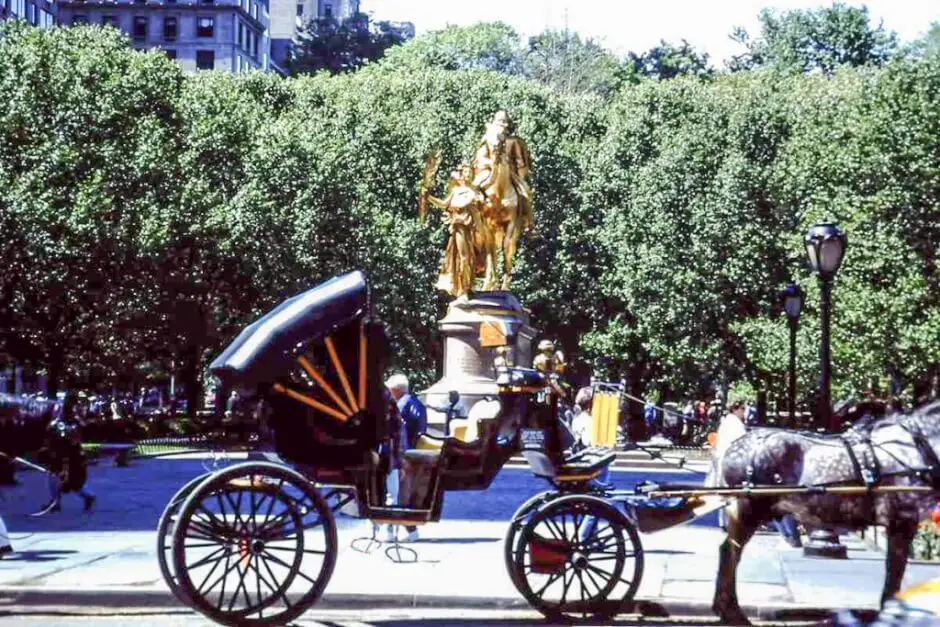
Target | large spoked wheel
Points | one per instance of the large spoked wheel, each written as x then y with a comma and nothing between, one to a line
578,559
516,523
165,536
254,544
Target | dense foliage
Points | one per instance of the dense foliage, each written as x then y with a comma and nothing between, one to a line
148,215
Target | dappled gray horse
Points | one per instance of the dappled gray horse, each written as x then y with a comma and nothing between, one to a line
900,449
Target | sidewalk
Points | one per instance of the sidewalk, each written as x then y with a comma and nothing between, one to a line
460,564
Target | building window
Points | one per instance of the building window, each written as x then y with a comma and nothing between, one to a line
79,19
206,1
170,28
205,26
327,10
170,53
110,20
254,10
241,34
205,59
300,10
140,27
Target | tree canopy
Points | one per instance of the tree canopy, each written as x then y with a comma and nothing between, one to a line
815,40
149,215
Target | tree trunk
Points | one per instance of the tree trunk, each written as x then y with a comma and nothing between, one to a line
190,377
56,366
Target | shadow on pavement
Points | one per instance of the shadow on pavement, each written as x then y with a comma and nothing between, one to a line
37,556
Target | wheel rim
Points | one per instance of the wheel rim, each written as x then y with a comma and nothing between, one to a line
254,545
571,556
165,536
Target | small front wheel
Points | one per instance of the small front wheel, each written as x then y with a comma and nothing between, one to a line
578,559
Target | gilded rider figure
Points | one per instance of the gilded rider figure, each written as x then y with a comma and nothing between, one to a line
464,256
502,130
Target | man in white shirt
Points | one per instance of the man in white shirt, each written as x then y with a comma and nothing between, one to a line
731,427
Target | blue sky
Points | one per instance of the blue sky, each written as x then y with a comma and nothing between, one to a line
625,25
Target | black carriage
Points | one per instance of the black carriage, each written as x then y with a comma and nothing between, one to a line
256,543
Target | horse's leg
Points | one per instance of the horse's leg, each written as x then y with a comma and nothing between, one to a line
900,534
510,244
743,520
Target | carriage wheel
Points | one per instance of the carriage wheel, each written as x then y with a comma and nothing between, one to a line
578,559
165,536
255,544
516,523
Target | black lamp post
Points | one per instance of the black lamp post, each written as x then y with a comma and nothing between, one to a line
792,297
825,247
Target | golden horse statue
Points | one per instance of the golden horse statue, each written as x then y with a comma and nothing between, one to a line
501,165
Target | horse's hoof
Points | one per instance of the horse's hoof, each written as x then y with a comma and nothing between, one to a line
730,616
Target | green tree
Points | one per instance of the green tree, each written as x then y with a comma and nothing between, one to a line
669,61
86,148
326,43
493,46
564,61
815,40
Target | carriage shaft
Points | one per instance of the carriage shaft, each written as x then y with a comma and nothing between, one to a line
788,490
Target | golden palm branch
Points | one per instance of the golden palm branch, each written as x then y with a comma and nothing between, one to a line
431,165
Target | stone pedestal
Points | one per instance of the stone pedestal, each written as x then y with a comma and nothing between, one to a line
472,332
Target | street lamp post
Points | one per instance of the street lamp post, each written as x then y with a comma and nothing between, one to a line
825,247
792,297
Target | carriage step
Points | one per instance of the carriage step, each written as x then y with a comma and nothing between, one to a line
399,516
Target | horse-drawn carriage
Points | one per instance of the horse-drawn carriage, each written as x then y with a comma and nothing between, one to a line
256,543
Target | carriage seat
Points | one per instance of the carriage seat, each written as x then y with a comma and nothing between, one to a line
577,467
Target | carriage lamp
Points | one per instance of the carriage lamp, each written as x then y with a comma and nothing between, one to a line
825,247
792,297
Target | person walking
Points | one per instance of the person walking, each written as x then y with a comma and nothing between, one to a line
68,467
414,415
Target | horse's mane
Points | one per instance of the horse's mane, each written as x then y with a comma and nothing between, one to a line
925,419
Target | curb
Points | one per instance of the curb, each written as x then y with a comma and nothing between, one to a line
138,598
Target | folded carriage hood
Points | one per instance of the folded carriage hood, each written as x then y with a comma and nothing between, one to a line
263,350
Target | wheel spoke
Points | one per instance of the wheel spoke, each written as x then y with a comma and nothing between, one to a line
222,591
239,585
283,563
223,577
594,581
268,547
199,589
553,527
274,579
214,525
267,514
581,592
610,576
211,557
196,546
565,584
551,579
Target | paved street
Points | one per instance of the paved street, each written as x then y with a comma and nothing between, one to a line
132,498
358,618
